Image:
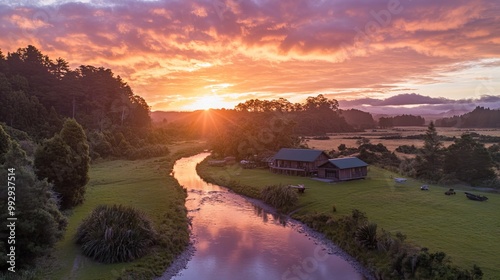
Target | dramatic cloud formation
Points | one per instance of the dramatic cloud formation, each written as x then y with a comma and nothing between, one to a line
175,53
418,104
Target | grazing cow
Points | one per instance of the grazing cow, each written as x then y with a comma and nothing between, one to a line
450,192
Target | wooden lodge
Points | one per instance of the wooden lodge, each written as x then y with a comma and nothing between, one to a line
300,162
343,169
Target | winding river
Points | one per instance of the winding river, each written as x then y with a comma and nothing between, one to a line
235,238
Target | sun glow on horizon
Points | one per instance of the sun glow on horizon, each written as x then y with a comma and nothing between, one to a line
208,102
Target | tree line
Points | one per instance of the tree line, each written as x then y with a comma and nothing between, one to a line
466,160
317,115
480,117
402,120
260,127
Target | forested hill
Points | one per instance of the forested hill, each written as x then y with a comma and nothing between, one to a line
480,117
37,92
358,119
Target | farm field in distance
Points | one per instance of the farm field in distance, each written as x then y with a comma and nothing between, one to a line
374,135
465,230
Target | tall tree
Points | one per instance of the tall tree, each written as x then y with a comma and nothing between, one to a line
469,160
64,161
321,102
429,160
39,222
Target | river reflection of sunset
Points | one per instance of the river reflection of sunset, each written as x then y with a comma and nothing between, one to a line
236,239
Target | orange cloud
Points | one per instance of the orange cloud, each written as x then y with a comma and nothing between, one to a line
172,51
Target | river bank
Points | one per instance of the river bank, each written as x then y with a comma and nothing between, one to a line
237,235
181,261
146,185
389,205
318,237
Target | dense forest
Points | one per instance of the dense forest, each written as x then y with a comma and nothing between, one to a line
480,117
38,93
36,89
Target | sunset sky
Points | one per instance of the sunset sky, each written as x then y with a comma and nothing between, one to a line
192,54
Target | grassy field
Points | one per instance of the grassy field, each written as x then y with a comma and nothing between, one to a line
143,184
340,138
468,231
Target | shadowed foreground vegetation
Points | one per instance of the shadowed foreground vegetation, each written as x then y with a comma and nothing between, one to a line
145,185
115,233
428,222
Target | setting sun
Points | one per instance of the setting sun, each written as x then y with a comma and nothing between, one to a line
208,102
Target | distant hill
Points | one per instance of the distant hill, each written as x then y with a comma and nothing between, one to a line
480,117
447,114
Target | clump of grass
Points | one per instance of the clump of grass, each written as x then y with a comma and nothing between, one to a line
281,197
366,235
117,233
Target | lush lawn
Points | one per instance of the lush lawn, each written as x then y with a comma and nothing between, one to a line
468,231
144,184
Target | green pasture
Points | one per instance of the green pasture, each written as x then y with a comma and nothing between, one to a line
467,231
143,184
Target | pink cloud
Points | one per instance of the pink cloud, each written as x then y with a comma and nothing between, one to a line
269,47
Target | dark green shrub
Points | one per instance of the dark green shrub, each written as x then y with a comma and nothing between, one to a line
366,235
407,149
281,197
115,234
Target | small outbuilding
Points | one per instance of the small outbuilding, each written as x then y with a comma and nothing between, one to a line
302,162
343,169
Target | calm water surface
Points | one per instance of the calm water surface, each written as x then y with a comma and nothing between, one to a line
236,239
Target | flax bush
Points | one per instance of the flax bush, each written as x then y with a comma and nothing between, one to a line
117,233
366,235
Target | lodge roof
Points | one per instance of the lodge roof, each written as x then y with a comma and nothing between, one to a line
347,162
307,155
